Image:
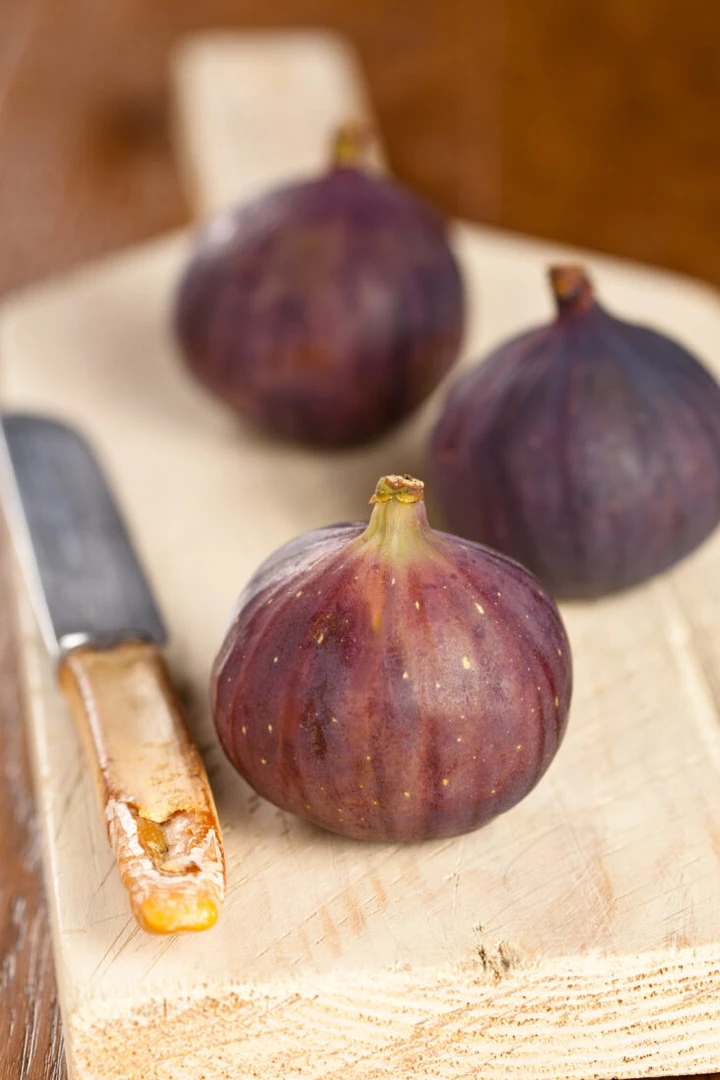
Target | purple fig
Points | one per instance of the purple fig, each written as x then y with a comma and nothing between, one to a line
588,449
390,682
324,311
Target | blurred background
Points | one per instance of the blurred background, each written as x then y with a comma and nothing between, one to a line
596,123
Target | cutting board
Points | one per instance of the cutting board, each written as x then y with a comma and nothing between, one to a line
578,935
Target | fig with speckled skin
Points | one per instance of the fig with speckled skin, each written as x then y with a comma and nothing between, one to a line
324,311
390,682
588,449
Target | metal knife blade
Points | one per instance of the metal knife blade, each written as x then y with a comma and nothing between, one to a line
89,587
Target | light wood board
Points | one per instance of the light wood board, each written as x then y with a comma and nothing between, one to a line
578,935
252,108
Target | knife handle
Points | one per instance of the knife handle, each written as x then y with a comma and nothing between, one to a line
152,785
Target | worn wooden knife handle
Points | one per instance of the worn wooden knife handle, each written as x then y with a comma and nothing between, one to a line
152,785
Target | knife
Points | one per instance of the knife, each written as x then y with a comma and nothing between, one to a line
101,624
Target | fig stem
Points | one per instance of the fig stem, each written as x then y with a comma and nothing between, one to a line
350,144
571,287
403,489
398,525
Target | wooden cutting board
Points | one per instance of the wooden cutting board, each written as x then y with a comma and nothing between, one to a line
579,934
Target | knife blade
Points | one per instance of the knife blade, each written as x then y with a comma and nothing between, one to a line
100,621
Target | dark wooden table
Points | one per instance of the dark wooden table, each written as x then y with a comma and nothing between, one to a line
594,123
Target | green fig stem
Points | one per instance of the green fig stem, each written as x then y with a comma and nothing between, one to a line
350,145
571,287
398,523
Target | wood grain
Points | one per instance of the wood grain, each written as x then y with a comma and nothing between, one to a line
86,165
84,121
593,123
589,911
611,135
31,1044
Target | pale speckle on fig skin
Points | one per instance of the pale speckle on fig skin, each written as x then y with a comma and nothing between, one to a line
480,608
466,663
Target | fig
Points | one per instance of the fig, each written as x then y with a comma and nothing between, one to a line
326,310
587,449
390,682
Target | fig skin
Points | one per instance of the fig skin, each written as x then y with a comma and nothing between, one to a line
588,449
324,311
390,682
